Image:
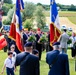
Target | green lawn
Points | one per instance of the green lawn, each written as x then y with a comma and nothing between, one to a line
72,19
62,13
71,15
43,66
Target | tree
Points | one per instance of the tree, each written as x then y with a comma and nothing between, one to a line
40,17
6,8
28,24
8,1
10,13
28,11
9,17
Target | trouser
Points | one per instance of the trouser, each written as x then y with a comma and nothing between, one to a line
64,50
10,71
73,51
39,48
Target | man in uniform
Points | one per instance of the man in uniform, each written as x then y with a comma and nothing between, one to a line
29,63
58,62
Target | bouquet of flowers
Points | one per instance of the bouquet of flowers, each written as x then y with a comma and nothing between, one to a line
31,38
43,39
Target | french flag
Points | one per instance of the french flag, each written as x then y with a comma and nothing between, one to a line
21,4
12,33
16,27
54,25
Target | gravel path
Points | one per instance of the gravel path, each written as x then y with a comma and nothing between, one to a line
63,21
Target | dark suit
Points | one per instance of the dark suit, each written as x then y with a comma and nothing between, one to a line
29,64
61,65
50,47
25,37
38,46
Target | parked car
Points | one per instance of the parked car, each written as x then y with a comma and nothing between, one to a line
6,27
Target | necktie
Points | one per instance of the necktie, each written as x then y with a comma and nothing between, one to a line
10,60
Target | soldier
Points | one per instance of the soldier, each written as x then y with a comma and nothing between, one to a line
29,63
58,62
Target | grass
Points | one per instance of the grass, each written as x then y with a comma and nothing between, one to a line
43,66
62,13
72,19
71,15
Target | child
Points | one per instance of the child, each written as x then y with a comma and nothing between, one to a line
9,65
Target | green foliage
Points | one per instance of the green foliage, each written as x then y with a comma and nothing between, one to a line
43,39
69,33
6,8
69,41
7,21
10,13
40,17
28,11
32,38
8,1
9,17
67,7
28,24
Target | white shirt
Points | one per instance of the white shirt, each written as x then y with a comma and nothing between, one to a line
9,63
73,40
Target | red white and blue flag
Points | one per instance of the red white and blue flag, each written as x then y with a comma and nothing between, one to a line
54,25
16,25
21,4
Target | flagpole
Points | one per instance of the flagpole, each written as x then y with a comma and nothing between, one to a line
22,39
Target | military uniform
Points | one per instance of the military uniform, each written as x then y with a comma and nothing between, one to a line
29,64
58,62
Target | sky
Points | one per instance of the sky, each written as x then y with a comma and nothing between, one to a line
65,2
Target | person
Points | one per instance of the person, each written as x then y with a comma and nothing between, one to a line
35,52
63,41
12,48
12,42
50,48
73,45
29,63
57,61
25,36
9,64
6,37
38,44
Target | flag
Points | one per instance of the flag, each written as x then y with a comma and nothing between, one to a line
16,26
3,42
12,33
21,4
54,25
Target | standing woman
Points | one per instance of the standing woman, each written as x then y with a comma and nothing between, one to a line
73,46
